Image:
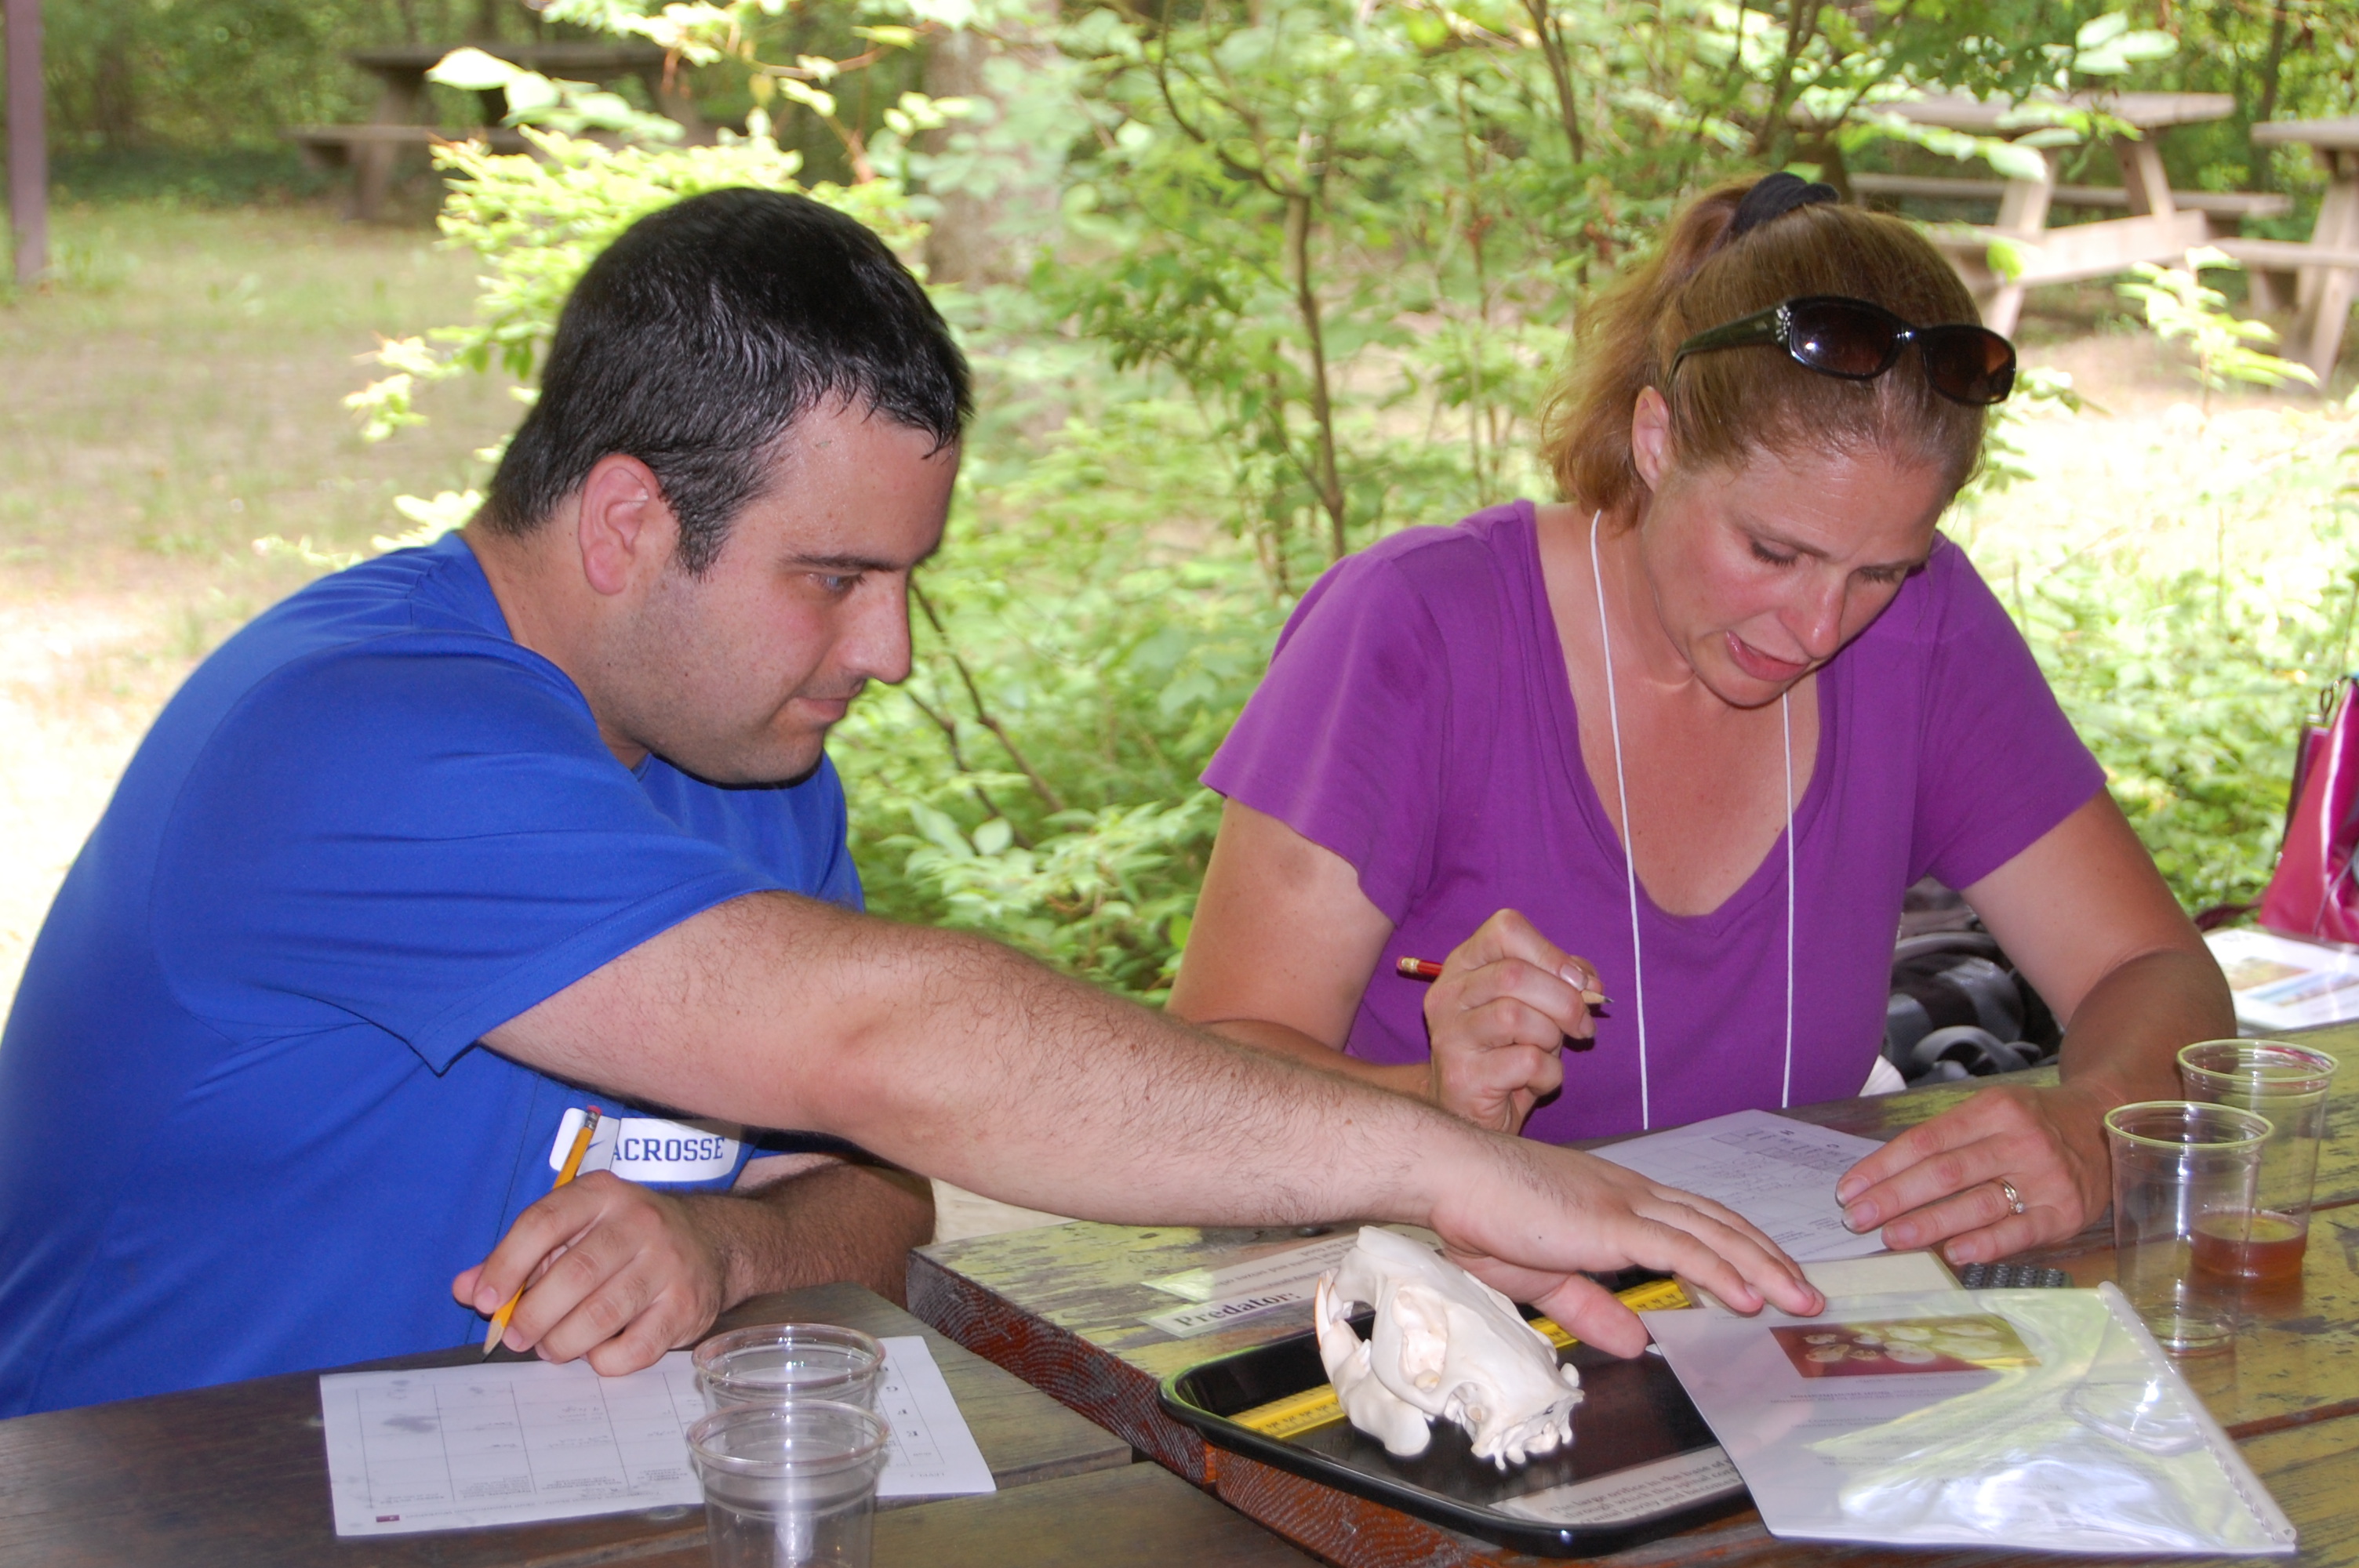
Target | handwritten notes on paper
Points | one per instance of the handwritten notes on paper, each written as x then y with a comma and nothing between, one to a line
1778,1174
520,1442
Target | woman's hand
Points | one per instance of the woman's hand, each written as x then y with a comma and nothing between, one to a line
1939,1182
1507,1001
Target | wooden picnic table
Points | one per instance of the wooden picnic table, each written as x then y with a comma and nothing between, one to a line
398,121
237,1476
2326,269
1061,1307
2158,228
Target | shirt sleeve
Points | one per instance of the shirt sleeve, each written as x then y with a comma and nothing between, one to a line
1999,764
426,835
1343,739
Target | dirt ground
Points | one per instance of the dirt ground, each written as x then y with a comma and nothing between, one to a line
179,395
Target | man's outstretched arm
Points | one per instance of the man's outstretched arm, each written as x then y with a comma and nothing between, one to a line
631,1273
955,1056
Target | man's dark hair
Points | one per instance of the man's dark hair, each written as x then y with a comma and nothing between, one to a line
700,335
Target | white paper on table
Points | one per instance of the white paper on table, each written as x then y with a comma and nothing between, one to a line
2282,982
521,1442
1778,1174
934,1454
1237,1291
505,1443
2093,1444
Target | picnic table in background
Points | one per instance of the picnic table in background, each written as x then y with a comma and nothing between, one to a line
397,124
2162,225
2325,270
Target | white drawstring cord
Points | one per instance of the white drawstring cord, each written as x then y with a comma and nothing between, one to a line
1630,860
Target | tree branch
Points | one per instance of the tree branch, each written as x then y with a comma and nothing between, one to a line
982,714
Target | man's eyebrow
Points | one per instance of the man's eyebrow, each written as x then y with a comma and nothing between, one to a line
856,563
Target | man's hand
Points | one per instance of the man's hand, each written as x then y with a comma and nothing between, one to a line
1612,1218
1507,1001
1939,1181
621,1274
616,1273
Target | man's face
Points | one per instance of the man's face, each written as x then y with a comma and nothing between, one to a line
737,676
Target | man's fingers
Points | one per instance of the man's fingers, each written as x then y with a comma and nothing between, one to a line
1588,1312
1740,1266
553,1222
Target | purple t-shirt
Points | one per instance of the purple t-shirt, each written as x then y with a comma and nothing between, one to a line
1418,719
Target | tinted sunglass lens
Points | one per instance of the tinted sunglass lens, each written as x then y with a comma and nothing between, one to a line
1844,340
1968,363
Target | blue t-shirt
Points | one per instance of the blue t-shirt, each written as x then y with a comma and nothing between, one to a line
244,1124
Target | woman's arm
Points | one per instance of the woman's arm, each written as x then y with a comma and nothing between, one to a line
2085,915
1284,943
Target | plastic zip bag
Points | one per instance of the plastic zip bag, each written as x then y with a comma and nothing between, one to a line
1882,1420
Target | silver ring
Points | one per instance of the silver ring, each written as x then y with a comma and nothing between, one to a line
2014,1198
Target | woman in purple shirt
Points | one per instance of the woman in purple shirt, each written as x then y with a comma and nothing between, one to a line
1742,650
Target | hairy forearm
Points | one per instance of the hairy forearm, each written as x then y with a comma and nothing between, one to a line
838,1222
2124,1037
955,1056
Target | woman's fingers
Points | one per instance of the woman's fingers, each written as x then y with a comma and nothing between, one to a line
1941,1181
1507,935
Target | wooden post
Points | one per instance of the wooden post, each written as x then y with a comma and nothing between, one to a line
28,153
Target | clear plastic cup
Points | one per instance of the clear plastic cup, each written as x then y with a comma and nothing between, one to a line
2183,1172
789,1485
2288,1084
789,1360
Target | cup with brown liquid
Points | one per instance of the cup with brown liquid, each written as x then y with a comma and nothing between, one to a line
2287,1084
2182,1171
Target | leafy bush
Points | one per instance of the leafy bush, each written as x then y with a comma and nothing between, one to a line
1313,266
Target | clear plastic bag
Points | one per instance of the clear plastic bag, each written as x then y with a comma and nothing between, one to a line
1880,1421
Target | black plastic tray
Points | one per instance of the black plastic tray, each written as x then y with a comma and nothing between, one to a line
1633,1412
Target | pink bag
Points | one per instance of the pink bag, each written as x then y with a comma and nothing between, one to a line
2313,892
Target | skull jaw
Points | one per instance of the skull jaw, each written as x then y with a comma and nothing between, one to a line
1436,1326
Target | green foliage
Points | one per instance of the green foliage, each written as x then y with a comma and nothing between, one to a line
537,223
2190,689
1082,645
2181,309
1315,266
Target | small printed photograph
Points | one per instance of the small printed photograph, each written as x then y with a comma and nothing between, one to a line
2251,974
1970,1344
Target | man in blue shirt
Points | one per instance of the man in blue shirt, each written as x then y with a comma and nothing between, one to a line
450,846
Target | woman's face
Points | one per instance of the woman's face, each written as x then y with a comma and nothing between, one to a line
1761,573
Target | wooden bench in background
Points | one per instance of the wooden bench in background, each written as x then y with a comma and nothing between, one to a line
2228,206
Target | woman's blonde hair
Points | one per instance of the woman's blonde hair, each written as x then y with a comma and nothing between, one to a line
1727,406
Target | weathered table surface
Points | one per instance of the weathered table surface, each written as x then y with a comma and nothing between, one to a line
1061,1306
238,1473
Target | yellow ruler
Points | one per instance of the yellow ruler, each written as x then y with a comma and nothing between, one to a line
1313,1408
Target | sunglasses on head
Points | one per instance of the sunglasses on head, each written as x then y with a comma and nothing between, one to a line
1855,340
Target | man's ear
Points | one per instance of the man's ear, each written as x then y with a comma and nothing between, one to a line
1650,438
625,529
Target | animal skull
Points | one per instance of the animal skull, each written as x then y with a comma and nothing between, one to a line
1445,1345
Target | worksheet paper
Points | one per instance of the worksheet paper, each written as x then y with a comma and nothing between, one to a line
2281,982
1777,1173
521,1442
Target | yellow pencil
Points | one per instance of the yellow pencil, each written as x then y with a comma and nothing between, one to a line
572,1164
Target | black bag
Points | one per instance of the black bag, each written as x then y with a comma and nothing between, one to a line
1958,1009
